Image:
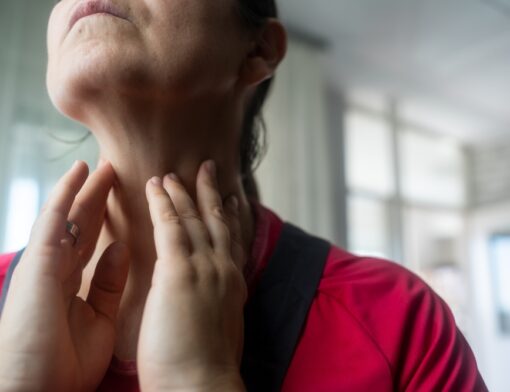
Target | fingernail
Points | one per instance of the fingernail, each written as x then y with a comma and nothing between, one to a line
211,168
174,177
102,162
156,181
75,164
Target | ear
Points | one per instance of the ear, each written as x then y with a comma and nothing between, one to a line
267,51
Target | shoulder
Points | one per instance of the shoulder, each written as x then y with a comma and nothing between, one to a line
411,326
5,262
382,296
359,279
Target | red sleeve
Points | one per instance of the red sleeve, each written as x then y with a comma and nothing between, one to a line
438,356
5,261
412,326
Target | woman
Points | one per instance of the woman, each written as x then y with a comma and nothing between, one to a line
172,90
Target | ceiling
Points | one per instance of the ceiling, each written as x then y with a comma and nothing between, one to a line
447,62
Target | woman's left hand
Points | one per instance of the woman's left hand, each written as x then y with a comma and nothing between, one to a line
192,330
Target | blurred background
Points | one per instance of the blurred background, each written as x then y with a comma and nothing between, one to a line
388,131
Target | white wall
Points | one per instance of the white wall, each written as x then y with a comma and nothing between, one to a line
491,348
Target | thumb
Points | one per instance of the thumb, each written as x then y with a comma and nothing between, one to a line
109,280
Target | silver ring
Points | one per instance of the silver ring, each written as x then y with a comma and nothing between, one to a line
74,230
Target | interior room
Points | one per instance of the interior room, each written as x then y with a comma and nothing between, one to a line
388,134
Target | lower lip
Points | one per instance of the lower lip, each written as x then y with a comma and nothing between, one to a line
97,14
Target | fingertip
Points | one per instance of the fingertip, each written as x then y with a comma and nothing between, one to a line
155,181
210,166
107,173
173,177
80,169
151,186
103,162
80,164
106,165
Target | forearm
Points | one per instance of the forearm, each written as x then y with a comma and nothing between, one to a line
14,375
13,383
24,371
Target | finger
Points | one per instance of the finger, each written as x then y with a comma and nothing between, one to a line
169,235
211,207
109,280
49,227
188,214
89,208
70,271
234,223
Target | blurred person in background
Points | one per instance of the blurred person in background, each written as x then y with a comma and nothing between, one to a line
138,276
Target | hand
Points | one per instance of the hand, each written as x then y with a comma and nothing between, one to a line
191,337
50,339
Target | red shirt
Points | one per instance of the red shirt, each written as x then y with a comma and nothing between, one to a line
373,326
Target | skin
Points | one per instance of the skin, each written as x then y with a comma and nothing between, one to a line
197,293
153,113
157,272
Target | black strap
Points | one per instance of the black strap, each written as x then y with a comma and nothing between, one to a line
275,315
8,277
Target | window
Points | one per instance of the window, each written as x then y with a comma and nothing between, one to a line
500,254
369,154
431,169
22,211
432,236
368,225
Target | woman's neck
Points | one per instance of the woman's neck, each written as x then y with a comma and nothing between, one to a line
140,151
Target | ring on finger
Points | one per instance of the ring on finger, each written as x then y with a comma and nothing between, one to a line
73,229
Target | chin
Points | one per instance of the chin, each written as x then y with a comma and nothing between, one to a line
88,75
85,75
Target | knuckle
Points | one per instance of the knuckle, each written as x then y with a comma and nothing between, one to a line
159,192
82,208
221,218
176,274
190,215
235,281
211,275
231,273
217,212
169,217
107,287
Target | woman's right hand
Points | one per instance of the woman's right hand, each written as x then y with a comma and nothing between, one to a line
50,339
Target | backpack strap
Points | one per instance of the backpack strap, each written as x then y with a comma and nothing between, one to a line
8,277
275,316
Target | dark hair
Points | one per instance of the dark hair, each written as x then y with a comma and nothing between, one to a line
253,137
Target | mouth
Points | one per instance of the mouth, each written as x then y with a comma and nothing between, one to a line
94,7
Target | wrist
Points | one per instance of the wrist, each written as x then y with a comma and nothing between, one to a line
20,372
221,383
232,383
